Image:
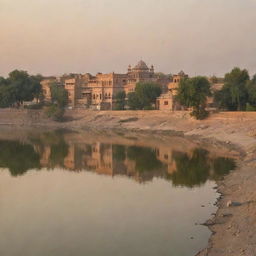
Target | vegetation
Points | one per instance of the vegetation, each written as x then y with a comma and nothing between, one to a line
59,95
193,93
120,100
144,96
19,87
251,90
234,94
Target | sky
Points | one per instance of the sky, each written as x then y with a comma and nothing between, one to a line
201,37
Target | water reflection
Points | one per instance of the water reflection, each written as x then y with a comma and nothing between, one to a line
52,149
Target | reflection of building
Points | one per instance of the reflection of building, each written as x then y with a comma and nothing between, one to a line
99,91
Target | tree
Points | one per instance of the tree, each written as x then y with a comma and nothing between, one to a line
22,86
19,87
120,100
193,92
59,97
36,86
133,101
7,96
251,90
234,94
144,96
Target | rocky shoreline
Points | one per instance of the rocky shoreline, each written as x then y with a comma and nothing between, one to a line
236,131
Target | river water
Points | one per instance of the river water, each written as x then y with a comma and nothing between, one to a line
80,194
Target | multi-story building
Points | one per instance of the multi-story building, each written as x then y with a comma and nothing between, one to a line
99,91
166,101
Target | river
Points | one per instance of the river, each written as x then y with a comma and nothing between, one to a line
101,194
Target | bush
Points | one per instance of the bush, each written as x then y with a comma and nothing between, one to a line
200,113
56,113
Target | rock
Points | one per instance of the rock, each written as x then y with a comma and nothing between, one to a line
202,205
203,127
231,203
209,223
227,215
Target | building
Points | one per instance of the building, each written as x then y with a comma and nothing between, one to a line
99,91
166,101
46,87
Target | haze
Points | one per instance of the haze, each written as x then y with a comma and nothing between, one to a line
53,37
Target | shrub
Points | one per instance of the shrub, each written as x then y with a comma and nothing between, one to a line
55,112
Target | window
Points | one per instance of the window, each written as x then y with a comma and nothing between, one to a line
166,103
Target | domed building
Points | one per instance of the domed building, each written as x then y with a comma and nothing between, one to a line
139,73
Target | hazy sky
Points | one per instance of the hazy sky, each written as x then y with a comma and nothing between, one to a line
62,36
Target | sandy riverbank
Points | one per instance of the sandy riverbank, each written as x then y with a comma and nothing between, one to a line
233,227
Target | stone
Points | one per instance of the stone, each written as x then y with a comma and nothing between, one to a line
231,203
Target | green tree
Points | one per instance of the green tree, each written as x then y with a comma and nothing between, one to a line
22,86
193,92
144,96
120,100
36,87
133,101
234,94
59,97
7,96
251,90
19,87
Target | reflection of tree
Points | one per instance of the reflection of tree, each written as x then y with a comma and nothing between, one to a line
195,170
119,152
222,166
56,141
192,170
145,159
58,153
51,150
18,157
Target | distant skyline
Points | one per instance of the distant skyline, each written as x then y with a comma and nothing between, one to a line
201,37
